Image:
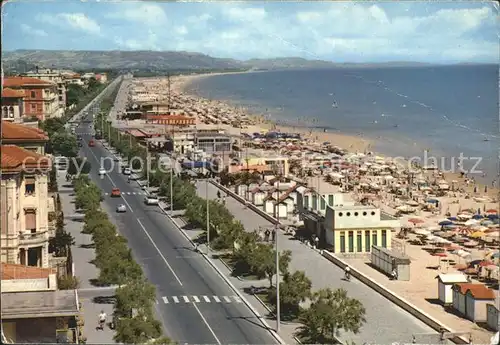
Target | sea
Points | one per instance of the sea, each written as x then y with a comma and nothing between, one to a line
445,112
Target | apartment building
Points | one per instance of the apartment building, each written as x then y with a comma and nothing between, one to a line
24,203
29,138
53,76
41,97
73,78
12,105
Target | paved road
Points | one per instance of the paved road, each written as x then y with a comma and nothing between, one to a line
176,271
386,322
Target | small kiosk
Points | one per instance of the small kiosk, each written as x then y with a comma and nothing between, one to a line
388,260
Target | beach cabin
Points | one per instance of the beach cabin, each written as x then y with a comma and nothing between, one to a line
269,201
257,196
445,286
280,210
471,299
492,316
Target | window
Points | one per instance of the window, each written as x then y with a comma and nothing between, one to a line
323,203
367,241
306,201
29,185
374,239
384,238
373,213
359,240
330,200
30,220
5,112
33,107
340,214
33,94
356,214
364,213
315,202
348,214
351,241
342,242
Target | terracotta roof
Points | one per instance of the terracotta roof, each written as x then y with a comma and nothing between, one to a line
15,133
287,193
14,271
10,93
169,117
23,81
16,159
478,291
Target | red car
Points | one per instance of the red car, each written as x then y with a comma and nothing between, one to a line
115,192
91,143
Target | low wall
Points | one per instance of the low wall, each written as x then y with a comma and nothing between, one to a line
391,296
394,298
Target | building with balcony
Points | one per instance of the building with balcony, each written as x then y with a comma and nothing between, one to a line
53,76
170,120
41,97
73,78
180,142
261,161
213,141
23,207
12,105
33,310
29,138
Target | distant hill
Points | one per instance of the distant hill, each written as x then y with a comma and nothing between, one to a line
23,60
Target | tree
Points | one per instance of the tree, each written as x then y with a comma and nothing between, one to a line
138,330
77,163
64,144
62,241
330,312
294,289
52,125
262,261
74,94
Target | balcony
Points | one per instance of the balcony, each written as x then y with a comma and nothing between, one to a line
33,238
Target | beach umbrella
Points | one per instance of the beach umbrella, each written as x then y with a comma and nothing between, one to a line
415,221
485,263
477,216
432,201
445,222
477,234
493,216
495,255
471,222
492,211
453,218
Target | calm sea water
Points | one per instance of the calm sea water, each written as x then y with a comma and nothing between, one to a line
445,109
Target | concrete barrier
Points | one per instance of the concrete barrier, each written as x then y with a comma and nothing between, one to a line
394,298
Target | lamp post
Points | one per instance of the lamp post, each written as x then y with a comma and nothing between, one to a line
208,216
278,304
172,164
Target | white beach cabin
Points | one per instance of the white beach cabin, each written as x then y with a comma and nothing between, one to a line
445,286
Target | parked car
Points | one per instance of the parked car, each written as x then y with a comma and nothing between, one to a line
121,208
151,200
127,171
102,171
91,143
115,192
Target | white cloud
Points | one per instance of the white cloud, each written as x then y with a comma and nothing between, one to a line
181,30
147,43
32,31
77,21
242,14
148,14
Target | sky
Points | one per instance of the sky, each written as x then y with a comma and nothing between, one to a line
435,32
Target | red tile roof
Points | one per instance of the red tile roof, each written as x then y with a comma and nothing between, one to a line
14,271
478,291
24,81
15,133
16,159
10,93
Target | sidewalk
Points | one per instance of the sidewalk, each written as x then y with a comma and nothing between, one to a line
386,323
92,299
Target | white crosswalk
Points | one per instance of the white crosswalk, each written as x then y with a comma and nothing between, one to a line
130,193
198,299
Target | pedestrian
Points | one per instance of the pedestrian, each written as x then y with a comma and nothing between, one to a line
218,194
266,235
273,235
316,242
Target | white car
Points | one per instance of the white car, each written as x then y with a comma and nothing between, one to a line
102,171
121,208
151,200
127,171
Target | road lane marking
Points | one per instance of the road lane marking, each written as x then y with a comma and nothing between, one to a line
206,299
156,247
176,300
216,299
157,302
196,299
208,326
237,299
185,298
165,300
227,299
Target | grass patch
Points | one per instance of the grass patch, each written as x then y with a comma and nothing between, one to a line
264,297
236,271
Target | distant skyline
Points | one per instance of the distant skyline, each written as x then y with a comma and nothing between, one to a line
370,32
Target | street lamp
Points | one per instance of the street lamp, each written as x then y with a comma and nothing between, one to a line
278,304
208,216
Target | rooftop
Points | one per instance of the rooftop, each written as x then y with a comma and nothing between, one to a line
452,278
14,271
478,291
11,93
23,305
17,159
15,133
24,81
